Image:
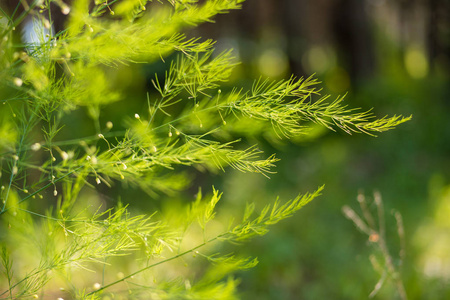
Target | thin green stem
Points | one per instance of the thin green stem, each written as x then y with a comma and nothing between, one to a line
56,219
158,263
42,188
19,19
14,170
118,133
24,279
5,14
11,178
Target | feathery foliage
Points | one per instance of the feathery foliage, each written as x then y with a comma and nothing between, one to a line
55,227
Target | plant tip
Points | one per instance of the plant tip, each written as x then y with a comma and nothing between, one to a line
64,155
46,24
17,81
65,10
35,146
374,237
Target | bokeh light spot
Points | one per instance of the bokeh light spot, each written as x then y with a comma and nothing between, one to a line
317,60
416,63
273,62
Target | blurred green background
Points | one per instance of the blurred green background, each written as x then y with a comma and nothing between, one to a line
390,55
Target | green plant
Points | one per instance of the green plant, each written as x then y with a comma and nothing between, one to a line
58,237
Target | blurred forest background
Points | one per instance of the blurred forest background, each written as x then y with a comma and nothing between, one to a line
393,55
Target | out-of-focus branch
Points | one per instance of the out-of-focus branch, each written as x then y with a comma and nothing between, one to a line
377,235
